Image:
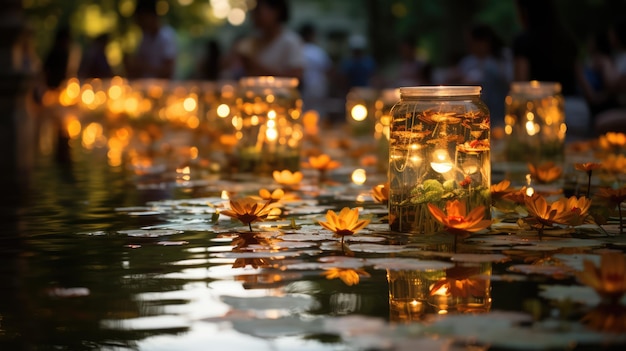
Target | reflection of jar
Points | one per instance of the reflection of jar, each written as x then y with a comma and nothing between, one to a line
269,130
438,151
534,127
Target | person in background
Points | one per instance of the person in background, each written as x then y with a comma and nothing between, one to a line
56,63
614,119
209,66
317,66
156,55
599,74
411,71
94,63
546,51
359,69
273,49
489,65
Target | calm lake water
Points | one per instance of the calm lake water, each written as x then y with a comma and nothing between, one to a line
95,258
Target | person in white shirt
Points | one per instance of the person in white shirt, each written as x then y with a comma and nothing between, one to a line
156,55
273,49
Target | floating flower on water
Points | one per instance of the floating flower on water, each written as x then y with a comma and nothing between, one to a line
608,280
572,211
612,140
286,177
345,223
519,196
349,276
272,197
498,191
546,172
587,167
248,211
461,282
380,193
457,221
322,163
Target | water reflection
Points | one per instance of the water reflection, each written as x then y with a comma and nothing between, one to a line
463,288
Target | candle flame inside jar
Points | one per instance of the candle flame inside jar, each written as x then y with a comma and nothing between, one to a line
441,161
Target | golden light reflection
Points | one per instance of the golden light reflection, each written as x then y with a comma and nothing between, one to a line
223,111
359,176
358,112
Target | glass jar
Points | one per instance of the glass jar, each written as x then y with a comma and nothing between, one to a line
438,151
269,129
534,128
386,100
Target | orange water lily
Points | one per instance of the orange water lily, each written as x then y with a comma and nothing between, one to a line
457,221
349,276
572,211
345,223
608,280
248,211
545,173
541,213
286,177
612,140
380,193
498,191
322,162
273,196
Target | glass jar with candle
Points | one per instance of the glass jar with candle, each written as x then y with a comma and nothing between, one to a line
438,151
268,130
534,128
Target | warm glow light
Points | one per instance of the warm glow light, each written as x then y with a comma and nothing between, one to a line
223,111
115,92
470,166
236,17
224,195
271,114
358,112
271,134
359,176
190,104
221,8
441,161
532,128
254,120
88,97
73,128
508,129
530,191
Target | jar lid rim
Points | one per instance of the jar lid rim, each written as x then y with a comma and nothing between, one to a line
441,90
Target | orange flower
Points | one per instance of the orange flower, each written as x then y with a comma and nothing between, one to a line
272,197
609,280
612,140
518,196
457,221
286,177
345,223
545,173
248,211
498,191
539,210
349,276
587,166
380,193
572,211
322,162
461,282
